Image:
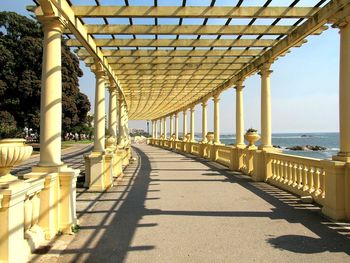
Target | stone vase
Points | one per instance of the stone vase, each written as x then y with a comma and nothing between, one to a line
12,153
252,137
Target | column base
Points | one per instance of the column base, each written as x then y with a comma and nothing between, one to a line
96,175
342,157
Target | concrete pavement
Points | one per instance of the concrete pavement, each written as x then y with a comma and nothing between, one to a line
176,208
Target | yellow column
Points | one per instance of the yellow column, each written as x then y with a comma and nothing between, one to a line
204,121
164,127
216,100
239,115
344,90
155,129
51,94
176,126
184,128
265,107
112,122
192,124
161,126
120,119
100,112
171,125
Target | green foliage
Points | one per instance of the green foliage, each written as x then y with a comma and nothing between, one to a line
75,228
20,75
251,130
8,127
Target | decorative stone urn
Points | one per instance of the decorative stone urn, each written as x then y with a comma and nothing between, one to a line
12,152
210,137
110,142
188,137
173,137
251,137
162,136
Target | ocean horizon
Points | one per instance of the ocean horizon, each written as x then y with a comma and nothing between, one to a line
329,140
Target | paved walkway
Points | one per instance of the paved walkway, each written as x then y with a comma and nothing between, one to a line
72,156
176,208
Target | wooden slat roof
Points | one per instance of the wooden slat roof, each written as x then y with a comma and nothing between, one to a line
163,67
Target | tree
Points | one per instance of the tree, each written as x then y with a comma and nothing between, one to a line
20,75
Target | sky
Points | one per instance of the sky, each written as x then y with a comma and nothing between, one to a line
304,83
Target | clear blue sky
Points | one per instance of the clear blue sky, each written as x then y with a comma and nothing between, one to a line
304,83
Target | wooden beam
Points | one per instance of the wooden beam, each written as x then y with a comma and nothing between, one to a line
173,72
177,42
175,66
194,11
175,53
98,29
170,60
159,77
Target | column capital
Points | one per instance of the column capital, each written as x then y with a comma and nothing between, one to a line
192,108
239,87
98,70
216,97
265,70
340,22
341,19
52,22
112,85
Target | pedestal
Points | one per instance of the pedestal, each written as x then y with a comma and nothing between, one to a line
95,171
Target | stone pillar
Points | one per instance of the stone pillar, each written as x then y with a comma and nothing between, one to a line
192,124
100,112
161,127
155,129
121,120
164,127
239,115
171,125
51,94
344,90
216,99
176,126
112,118
96,176
204,121
266,141
184,128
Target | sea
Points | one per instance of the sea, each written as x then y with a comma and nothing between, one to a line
330,140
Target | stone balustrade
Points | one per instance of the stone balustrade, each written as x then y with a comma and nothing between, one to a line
323,181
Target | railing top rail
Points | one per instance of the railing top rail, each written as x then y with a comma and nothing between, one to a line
296,159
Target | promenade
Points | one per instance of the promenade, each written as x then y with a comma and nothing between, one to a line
171,207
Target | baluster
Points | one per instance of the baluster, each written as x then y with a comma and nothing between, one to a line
273,169
323,183
294,175
36,208
299,175
317,183
310,179
305,177
27,214
277,169
290,173
286,172
281,171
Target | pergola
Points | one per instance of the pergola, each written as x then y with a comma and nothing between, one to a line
165,58
160,60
